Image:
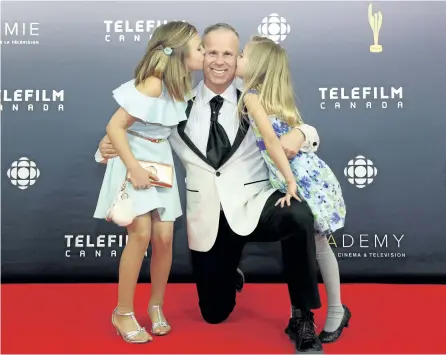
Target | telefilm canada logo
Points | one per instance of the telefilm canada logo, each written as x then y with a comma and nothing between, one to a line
32,100
368,97
120,31
368,246
95,246
20,33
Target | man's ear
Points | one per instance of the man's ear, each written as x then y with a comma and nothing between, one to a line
203,48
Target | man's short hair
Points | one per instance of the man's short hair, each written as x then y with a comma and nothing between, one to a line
220,26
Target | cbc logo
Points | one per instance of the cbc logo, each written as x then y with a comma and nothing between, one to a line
360,171
274,27
23,173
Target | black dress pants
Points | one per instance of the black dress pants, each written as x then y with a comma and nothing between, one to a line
215,270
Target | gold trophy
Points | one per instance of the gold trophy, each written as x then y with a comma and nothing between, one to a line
376,21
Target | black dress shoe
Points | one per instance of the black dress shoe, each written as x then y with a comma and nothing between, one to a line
330,337
302,333
239,280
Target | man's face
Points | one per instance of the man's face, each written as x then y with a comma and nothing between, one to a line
220,59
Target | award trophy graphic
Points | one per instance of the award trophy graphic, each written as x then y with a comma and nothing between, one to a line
375,21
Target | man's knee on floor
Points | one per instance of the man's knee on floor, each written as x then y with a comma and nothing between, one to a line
215,314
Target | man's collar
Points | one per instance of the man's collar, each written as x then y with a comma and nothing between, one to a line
207,94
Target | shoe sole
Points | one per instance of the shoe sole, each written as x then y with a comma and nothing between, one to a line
305,352
309,352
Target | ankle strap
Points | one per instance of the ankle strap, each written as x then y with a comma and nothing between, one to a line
129,314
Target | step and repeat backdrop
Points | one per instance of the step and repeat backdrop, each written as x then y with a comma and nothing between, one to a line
369,76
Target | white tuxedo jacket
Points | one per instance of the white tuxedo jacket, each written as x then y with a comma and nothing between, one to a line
240,186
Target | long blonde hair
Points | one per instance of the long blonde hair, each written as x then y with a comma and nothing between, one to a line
268,73
170,68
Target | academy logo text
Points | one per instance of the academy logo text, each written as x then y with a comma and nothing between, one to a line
372,246
19,33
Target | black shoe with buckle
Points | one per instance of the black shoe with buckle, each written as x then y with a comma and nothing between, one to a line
239,280
302,333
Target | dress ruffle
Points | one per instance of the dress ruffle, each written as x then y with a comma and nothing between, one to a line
156,110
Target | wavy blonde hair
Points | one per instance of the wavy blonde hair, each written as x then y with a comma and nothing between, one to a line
268,73
170,68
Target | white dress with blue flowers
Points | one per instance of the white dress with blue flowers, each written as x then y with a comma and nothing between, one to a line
155,119
316,182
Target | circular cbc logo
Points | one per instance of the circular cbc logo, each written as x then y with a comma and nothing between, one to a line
274,27
23,173
360,171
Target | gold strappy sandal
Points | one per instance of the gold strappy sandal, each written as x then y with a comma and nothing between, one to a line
129,337
161,327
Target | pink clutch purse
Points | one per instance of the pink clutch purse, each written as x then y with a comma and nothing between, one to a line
163,171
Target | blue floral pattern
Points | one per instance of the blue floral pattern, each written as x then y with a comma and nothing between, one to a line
316,182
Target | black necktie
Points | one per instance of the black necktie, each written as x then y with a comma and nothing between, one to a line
218,142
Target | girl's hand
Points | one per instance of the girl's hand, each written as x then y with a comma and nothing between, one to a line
140,178
291,193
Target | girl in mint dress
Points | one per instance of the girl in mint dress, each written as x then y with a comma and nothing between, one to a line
151,104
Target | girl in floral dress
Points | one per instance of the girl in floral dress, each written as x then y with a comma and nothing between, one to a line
269,98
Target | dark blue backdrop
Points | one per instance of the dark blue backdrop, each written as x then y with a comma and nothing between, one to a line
381,124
